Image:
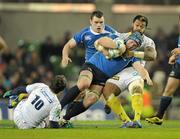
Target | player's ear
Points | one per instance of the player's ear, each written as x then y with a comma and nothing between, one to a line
132,24
90,20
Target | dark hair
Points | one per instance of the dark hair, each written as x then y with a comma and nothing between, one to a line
97,13
58,84
141,18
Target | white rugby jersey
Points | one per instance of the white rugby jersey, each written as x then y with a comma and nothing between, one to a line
40,104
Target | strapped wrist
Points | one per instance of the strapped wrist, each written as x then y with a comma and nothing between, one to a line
138,54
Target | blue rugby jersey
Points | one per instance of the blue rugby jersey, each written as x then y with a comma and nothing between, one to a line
110,67
87,37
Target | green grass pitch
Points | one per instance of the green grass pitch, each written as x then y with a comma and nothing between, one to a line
94,130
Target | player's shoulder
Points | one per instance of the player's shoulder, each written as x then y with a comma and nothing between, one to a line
147,41
83,32
85,29
146,38
41,84
109,28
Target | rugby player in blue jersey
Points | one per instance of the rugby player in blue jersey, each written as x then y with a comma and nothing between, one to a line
87,37
172,84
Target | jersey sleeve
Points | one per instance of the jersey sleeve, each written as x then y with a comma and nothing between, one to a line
78,37
134,59
148,42
30,88
55,112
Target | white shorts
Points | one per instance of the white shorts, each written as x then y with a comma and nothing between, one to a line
124,78
20,121
18,118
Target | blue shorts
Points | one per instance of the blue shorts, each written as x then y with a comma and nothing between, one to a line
175,72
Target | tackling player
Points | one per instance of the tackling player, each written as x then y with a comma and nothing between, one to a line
129,78
41,102
172,84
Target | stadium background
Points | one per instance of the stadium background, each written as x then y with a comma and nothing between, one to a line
37,30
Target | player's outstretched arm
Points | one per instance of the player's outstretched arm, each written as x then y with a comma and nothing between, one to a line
143,72
149,54
65,52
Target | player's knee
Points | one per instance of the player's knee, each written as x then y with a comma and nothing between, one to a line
168,92
82,85
90,98
109,89
136,87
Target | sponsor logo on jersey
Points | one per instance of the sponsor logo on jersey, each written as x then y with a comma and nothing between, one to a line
88,37
115,78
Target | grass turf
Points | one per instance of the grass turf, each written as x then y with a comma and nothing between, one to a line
94,130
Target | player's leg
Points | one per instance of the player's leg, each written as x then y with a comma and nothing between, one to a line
109,92
165,101
136,90
83,82
99,79
91,97
18,118
79,98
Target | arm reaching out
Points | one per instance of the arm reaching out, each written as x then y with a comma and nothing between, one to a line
143,72
65,52
149,54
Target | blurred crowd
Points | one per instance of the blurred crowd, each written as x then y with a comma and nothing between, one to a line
34,62
152,2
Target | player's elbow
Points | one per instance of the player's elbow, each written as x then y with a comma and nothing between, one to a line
150,57
150,54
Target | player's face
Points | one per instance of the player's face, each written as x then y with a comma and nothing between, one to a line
97,24
131,45
139,26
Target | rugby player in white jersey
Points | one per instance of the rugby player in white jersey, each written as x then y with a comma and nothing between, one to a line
41,102
129,78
